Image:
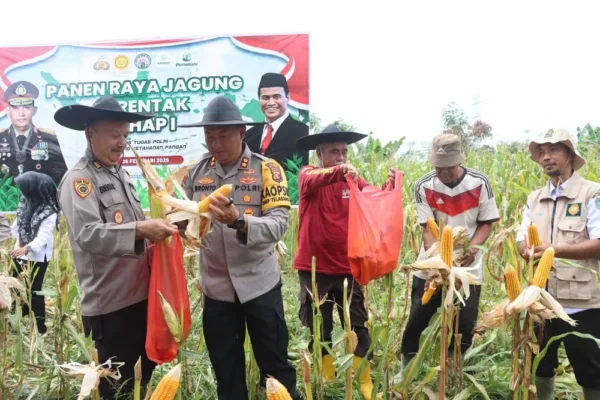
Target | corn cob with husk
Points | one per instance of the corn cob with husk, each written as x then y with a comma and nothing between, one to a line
6,284
198,213
276,391
442,261
91,374
168,385
446,249
535,298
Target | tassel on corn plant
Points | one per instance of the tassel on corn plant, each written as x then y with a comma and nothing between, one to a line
168,386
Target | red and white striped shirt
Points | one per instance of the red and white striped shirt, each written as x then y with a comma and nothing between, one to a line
466,203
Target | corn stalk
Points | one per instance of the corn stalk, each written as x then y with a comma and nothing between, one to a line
349,345
443,349
317,323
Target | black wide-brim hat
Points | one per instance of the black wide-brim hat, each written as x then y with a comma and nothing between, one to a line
221,111
106,108
328,135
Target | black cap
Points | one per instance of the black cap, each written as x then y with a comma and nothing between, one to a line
21,93
272,79
328,135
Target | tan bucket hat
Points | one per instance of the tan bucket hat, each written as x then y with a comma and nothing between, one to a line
558,135
446,151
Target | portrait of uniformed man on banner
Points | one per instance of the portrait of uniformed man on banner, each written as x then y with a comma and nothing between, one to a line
24,146
277,138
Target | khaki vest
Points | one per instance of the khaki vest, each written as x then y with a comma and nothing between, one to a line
564,222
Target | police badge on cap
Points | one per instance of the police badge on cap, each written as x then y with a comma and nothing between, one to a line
21,93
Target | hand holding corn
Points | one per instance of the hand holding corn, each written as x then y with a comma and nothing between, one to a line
154,230
222,209
538,251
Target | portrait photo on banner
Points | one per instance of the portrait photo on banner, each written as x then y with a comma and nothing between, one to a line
265,76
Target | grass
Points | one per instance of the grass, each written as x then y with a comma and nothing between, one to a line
29,363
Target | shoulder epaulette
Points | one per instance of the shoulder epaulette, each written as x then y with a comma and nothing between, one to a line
46,130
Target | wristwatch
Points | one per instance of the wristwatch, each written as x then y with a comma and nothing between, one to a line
238,224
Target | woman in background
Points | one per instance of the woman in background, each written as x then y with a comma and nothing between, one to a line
37,216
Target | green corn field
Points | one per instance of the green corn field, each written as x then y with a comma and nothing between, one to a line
29,363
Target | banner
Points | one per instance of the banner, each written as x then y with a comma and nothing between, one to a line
174,78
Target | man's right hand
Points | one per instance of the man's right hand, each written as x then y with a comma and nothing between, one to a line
524,250
154,230
350,170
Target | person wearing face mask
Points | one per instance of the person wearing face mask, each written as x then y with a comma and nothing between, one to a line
567,213
109,236
323,233
457,196
276,138
37,217
24,146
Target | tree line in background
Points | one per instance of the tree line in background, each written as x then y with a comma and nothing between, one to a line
454,120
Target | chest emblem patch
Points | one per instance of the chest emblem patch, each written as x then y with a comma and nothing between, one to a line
206,180
83,187
247,180
574,210
247,198
118,217
249,171
248,211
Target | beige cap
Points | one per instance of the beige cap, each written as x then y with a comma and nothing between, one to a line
446,151
557,135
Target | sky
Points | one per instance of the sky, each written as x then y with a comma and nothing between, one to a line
387,70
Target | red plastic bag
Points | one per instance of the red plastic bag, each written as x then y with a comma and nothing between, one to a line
167,275
375,230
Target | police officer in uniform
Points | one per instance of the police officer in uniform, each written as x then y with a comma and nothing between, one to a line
23,146
239,271
109,235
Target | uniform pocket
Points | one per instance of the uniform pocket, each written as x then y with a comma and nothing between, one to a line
574,283
571,231
112,204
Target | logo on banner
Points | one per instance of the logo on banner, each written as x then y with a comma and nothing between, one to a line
186,59
164,60
142,61
101,65
121,62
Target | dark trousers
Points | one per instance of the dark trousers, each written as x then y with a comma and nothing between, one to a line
121,335
224,326
38,304
333,287
583,354
420,315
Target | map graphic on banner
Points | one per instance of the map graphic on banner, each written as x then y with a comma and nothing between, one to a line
174,78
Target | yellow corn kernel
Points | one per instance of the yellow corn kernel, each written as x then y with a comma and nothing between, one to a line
433,228
203,205
533,236
511,281
168,385
543,268
428,294
276,391
447,246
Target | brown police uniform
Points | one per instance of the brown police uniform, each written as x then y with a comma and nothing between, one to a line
240,274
